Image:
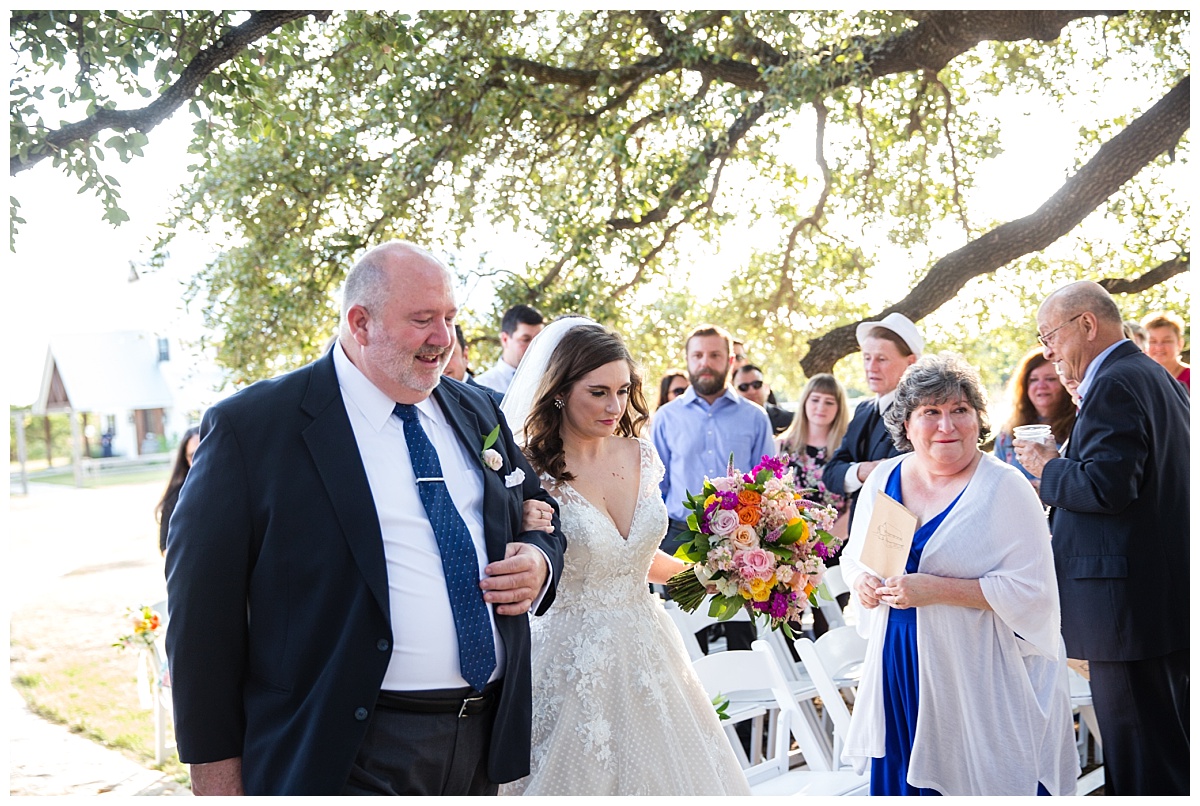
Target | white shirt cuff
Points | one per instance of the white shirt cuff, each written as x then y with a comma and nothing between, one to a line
852,484
545,585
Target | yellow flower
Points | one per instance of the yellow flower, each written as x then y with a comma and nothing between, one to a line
708,502
760,589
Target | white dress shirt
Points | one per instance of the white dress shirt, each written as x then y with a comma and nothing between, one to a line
499,377
424,639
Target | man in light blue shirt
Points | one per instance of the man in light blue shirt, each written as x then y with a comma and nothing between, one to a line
696,432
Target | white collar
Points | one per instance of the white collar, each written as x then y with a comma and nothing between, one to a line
375,406
884,401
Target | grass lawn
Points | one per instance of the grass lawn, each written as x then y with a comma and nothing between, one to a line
83,557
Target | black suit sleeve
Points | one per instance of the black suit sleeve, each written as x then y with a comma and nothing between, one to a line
834,474
208,567
1113,447
553,544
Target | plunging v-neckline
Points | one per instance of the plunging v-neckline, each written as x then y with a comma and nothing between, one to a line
637,504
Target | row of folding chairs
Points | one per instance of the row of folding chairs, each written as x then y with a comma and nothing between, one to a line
829,670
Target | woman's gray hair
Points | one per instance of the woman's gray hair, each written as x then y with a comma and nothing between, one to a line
936,379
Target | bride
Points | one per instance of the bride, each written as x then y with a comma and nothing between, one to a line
617,709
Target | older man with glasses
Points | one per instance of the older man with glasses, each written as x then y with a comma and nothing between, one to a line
1121,505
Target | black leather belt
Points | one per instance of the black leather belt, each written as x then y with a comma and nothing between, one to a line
462,702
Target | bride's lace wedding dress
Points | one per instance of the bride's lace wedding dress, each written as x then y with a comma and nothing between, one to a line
617,709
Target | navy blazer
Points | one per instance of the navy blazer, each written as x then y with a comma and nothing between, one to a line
879,445
1121,511
280,633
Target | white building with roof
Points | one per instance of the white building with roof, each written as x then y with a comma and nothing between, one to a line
125,388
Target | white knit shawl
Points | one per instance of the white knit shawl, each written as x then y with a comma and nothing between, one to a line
994,715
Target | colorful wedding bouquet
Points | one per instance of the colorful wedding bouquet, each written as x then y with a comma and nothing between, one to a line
146,623
757,541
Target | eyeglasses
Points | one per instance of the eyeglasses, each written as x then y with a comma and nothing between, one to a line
746,387
677,391
1046,339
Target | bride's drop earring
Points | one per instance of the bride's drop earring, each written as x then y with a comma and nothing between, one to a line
558,404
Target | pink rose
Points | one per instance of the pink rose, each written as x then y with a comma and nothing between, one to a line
726,484
723,522
755,563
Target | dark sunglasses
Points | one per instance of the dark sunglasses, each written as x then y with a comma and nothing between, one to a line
746,387
676,392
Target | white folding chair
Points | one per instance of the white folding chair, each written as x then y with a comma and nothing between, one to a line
836,585
741,670
1081,704
800,686
829,660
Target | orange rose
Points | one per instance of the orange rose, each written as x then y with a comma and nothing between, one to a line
749,515
749,497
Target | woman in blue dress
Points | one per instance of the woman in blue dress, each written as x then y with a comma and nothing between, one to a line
964,688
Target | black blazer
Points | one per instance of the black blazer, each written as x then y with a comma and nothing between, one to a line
279,634
857,447
1121,509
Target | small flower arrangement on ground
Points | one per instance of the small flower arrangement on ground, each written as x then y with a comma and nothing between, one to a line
146,623
757,541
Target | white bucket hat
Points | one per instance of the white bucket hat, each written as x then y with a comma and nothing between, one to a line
899,324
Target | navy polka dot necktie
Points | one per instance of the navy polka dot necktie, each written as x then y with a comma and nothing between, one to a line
476,651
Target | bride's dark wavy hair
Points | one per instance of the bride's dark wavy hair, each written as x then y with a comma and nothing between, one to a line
582,349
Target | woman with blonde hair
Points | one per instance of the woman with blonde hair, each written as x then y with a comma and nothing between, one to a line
1164,343
815,433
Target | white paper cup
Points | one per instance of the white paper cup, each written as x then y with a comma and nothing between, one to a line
1034,433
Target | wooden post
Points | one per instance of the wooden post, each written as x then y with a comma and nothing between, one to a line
76,447
49,440
22,452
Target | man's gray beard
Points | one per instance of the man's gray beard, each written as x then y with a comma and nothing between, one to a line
708,384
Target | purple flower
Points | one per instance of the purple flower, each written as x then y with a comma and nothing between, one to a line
820,550
774,534
727,500
776,466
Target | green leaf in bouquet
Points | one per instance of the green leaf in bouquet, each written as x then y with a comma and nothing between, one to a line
786,629
823,592
721,704
693,523
724,607
690,552
793,533
782,552
763,475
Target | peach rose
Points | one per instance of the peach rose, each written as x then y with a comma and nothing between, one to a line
744,538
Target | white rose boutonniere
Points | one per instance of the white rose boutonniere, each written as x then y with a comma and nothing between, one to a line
514,478
491,457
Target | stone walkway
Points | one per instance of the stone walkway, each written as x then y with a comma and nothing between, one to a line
47,759
88,529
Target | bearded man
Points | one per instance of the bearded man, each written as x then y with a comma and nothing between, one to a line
696,432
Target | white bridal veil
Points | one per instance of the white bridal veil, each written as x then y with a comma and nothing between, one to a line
518,400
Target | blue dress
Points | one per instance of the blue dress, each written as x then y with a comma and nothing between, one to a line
889,775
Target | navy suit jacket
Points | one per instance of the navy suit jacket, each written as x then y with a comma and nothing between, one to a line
1121,512
280,633
879,445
